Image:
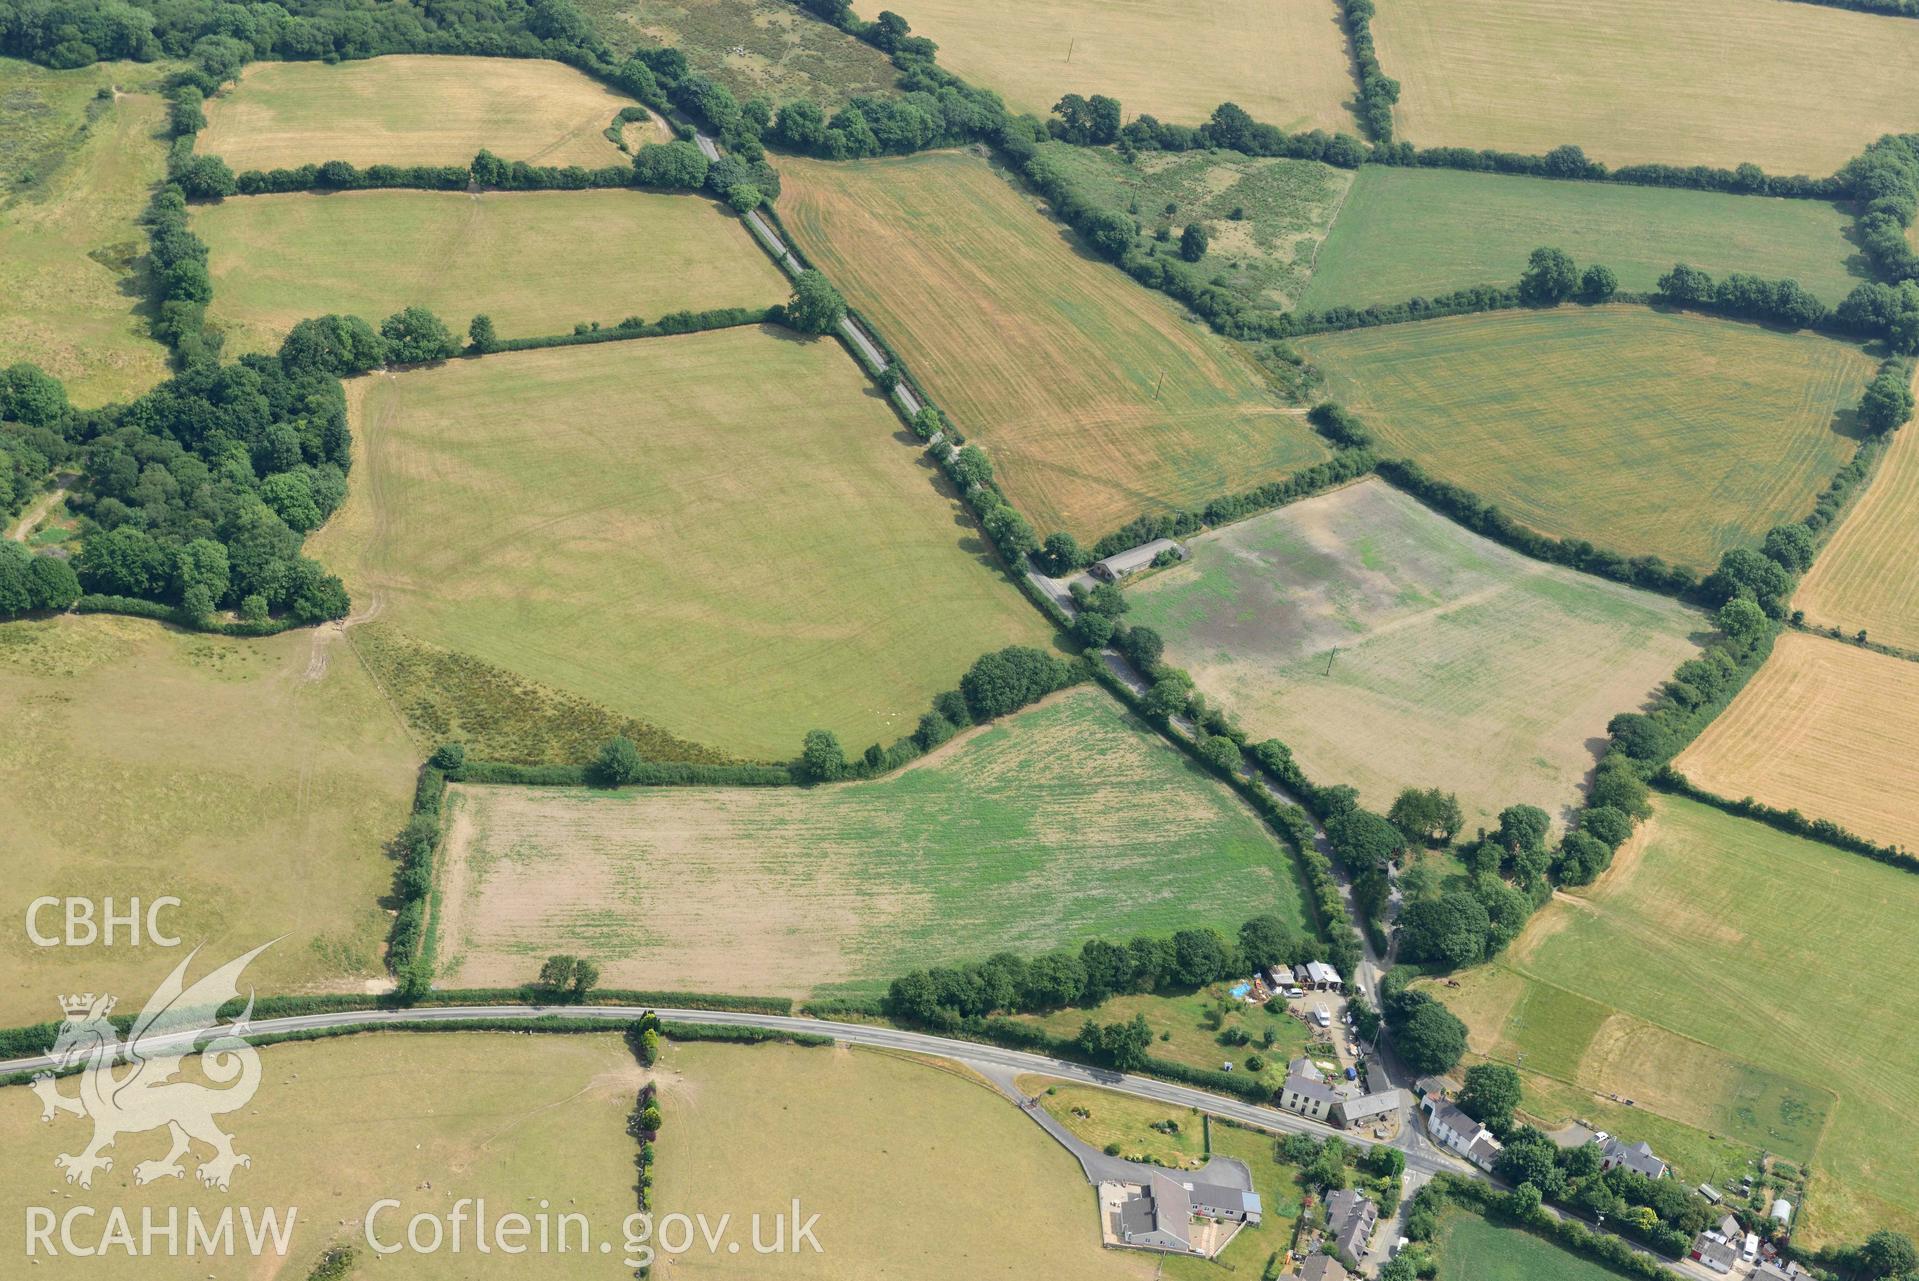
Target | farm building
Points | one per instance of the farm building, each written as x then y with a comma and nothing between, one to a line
1350,1219
1133,559
1306,1091
1366,1108
1460,1132
1323,1267
1638,1158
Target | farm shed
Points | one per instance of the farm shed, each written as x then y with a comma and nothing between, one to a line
1133,559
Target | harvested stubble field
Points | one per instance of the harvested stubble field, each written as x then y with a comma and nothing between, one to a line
425,1119
1715,82
1778,951
1864,577
412,109
1285,61
1471,1249
1094,398
71,246
756,48
1825,728
718,534
1434,637
143,761
514,255
1267,215
1645,432
1405,233
1066,821
916,1169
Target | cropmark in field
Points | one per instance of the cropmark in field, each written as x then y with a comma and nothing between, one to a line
1391,648
1646,433
1094,399
1063,822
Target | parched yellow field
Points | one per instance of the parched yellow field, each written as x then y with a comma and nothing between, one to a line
412,109
70,252
1865,576
1285,61
719,534
1672,435
520,257
1715,82
917,1171
1826,728
425,1119
141,761
1094,398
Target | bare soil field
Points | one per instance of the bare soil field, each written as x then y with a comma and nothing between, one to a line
1062,822
1714,82
424,1119
1095,399
1377,639
517,256
1285,61
138,760
1825,728
412,109
1864,577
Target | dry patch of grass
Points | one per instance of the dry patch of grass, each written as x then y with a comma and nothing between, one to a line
424,1119
143,761
1864,578
1285,61
1717,82
536,262
71,247
1825,728
1094,398
1064,822
413,109
1648,433
913,1172
718,534
1375,637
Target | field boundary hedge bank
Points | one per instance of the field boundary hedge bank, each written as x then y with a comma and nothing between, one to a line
1789,821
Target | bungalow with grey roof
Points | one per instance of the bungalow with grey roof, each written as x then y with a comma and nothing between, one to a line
1638,1158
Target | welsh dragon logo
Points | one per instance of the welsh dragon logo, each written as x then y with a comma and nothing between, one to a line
177,1021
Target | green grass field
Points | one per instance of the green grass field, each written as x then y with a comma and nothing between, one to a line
1471,1249
515,256
915,1168
1375,637
1646,433
1405,233
756,48
719,534
1064,822
1777,951
1265,254
425,1120
412,109
144,761
1713,82
1095,400
74,176
1181,1035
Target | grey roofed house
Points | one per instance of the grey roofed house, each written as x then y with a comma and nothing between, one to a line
1307,1096
1484,1151
1729,1228
1714,1253
1350,1218
1133,559
1638,1158
1213,1201
1323,1267
1159,1218
1305,1067
1366,1107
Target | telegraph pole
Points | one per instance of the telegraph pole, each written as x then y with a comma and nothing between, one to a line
1329,660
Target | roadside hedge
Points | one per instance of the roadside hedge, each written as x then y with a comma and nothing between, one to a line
738,1035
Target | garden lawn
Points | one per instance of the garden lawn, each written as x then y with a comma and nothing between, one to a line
914,1168
143,761
1646,433
1377,639
515,256
71,247
1094,399
1715,82
1181,1035
1777,951
426,1120
1471,1249
1064,822
1406,233
412,109
719,534
1285,61
1863,578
